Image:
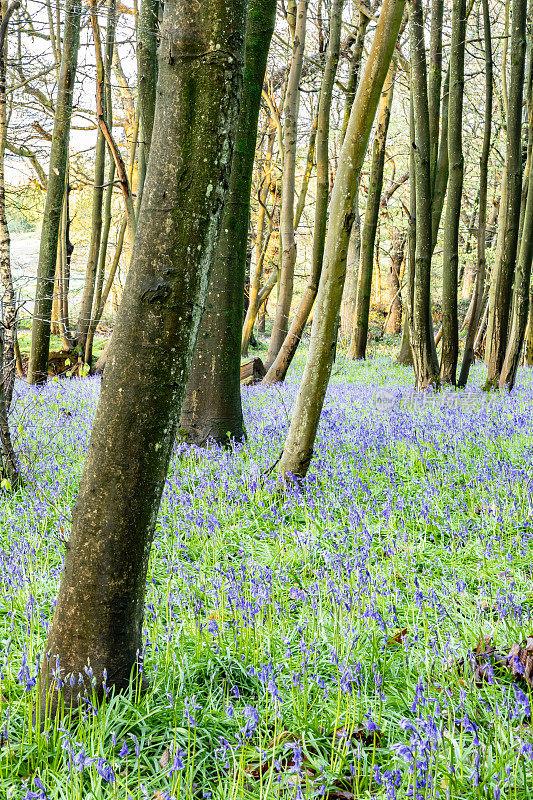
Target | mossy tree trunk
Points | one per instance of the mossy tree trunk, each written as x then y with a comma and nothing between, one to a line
450,247
421,330
359,337
282,362
212,406
521,297
40,333
9,310
99,612
147,71
298,449
280,326
505,267
479,288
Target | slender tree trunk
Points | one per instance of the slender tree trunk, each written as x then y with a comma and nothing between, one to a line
106,221
354,68
358,342
479,289
435,82
393,324
9,469
525,254
99,611
354,246
298,449
349,295
9,309
147,71
310,160
40,335
288,241
505,268
421,330
450,248
212,408
67,340
405,353
261,245
278,370
440,182
84,318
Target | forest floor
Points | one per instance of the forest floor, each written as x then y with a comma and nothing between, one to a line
348,639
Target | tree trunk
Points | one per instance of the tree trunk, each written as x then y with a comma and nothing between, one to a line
212,408
261,245
84,318
282,362
504,272
435,82
393,324
405,353
354,246
9,309
298,449
479,289
359,338
450,247
525,255
288,241
107,216
147,82
99,611
421,331
440,182
40,334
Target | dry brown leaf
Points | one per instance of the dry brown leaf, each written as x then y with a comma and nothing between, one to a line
520,660
164,761
398,637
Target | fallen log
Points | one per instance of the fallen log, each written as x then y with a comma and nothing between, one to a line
252,372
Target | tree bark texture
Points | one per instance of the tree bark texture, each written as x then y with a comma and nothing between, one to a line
281,363
99,611
505,269
359,338
298,449
212,408
421,332
479,287
40,334
288,241
450,247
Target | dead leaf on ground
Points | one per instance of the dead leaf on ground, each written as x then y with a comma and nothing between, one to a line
520,660
164,761
398,637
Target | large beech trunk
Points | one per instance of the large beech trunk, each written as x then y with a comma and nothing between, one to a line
212,408
505,267
40,332
298,449
99,611
288,241
281,364
450,247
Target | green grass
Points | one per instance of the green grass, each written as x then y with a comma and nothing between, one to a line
295,624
